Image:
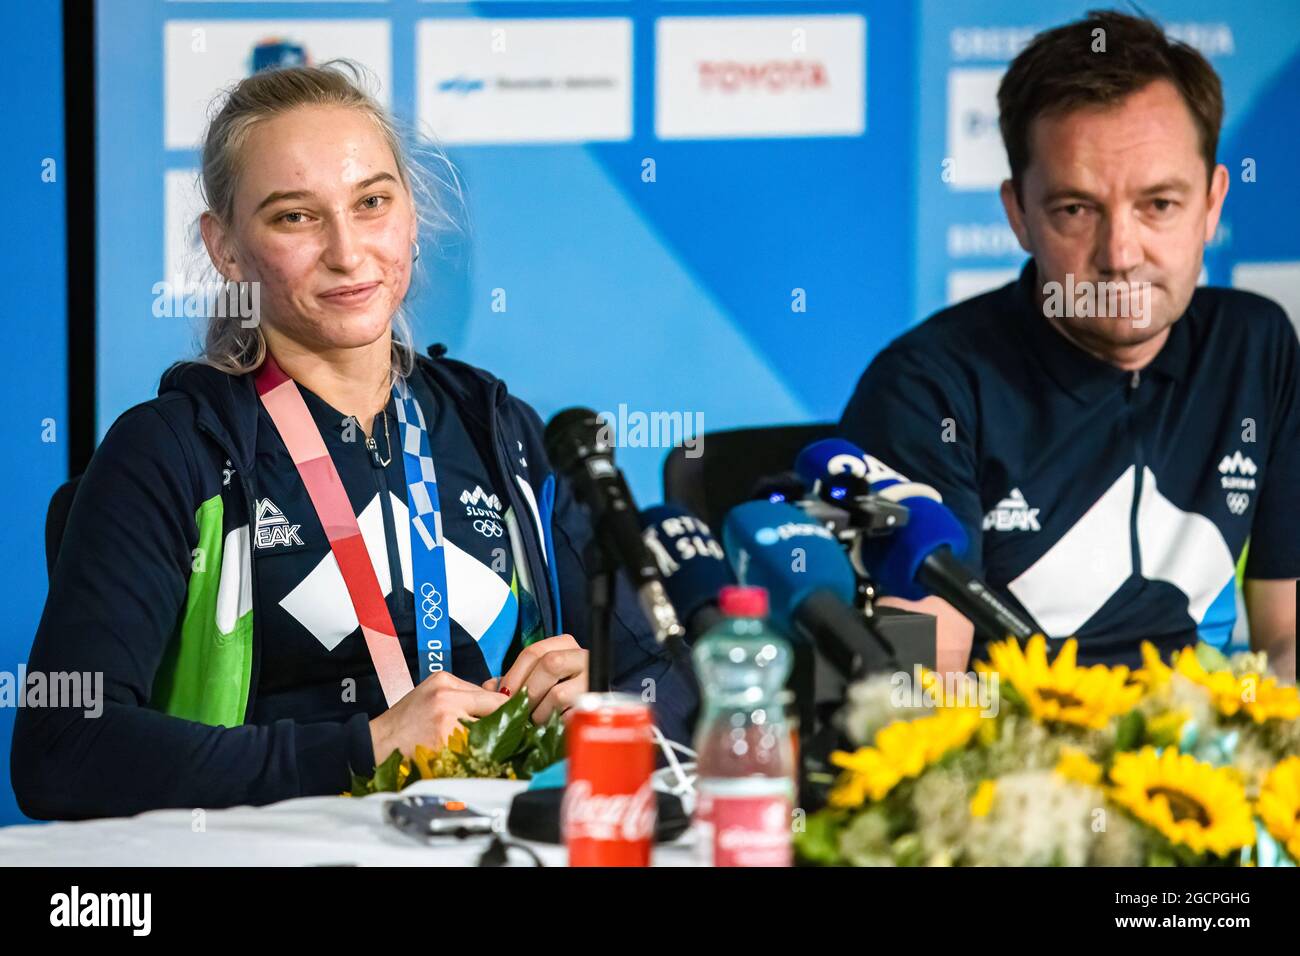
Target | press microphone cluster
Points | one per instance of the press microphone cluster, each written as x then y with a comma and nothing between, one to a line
809,581
922,555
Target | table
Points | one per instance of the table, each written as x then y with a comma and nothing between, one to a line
310,831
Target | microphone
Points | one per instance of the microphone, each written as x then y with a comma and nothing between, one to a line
577,443
921,557
809,583
691,564
835,463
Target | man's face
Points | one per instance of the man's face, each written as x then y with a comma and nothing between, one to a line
1119,194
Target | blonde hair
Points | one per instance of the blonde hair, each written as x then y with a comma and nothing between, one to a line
435,190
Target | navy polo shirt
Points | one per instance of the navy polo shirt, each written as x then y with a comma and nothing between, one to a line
1112,506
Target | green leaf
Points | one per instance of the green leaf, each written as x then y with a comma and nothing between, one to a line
385,779
1130,731
547,746
820,840
1211,658
499,735
360,785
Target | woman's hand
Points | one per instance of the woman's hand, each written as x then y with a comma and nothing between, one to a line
555,672
430,713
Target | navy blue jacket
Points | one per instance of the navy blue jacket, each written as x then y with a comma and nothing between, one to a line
123,583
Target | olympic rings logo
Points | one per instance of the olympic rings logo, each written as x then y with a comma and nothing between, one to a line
489,528
1238,502
431,605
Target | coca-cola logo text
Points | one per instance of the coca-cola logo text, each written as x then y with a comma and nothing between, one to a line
607,816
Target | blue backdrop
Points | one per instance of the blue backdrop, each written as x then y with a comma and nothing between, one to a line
750,282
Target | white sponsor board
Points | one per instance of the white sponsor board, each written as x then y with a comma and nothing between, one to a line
203,57
185,256
967,283
974,143
735,77
525,81
1280,281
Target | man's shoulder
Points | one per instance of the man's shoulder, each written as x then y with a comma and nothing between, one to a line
1241,314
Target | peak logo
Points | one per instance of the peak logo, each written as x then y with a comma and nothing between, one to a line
273,528
1012,514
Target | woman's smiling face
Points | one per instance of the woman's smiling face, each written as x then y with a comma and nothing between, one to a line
323,222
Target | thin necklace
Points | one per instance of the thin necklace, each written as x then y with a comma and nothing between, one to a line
388,442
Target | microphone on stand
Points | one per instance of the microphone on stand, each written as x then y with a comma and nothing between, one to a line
577,444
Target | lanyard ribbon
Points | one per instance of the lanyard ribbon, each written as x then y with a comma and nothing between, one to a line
284,403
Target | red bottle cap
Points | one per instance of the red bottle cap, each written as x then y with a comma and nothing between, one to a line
740,601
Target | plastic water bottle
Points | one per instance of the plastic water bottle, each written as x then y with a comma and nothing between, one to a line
745,784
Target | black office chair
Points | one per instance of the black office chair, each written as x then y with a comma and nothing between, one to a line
56,519
731,465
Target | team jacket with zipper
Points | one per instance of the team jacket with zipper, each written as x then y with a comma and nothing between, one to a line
155,588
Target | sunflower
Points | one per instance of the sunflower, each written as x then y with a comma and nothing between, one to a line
442,762
1192,803
1063,692
982,802
902,749
1260,698
1279,804
1075,765
1154,672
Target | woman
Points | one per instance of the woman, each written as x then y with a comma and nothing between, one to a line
253,559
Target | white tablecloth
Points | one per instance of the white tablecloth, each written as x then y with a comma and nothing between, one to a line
312,831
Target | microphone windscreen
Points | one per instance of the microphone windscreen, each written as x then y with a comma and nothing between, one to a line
894,560
828,457
690,559
572,434
774,545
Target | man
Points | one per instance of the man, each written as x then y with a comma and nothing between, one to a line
1109,434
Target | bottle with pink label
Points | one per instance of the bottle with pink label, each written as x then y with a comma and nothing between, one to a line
745,782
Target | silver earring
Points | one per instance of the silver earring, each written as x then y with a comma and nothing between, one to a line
415,256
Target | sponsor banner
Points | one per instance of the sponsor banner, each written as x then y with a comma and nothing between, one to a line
525,81
1280,281
966,283
185,255
734,77
979,160
202,57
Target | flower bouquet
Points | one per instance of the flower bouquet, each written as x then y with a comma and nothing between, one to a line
1029,763
506,744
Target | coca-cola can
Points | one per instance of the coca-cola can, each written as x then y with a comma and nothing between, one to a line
608,813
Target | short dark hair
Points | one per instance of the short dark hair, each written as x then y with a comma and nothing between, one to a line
1058,72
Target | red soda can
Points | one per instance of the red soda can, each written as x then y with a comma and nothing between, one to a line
608,813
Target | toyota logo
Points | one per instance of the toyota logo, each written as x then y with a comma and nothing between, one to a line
430,605
488,528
